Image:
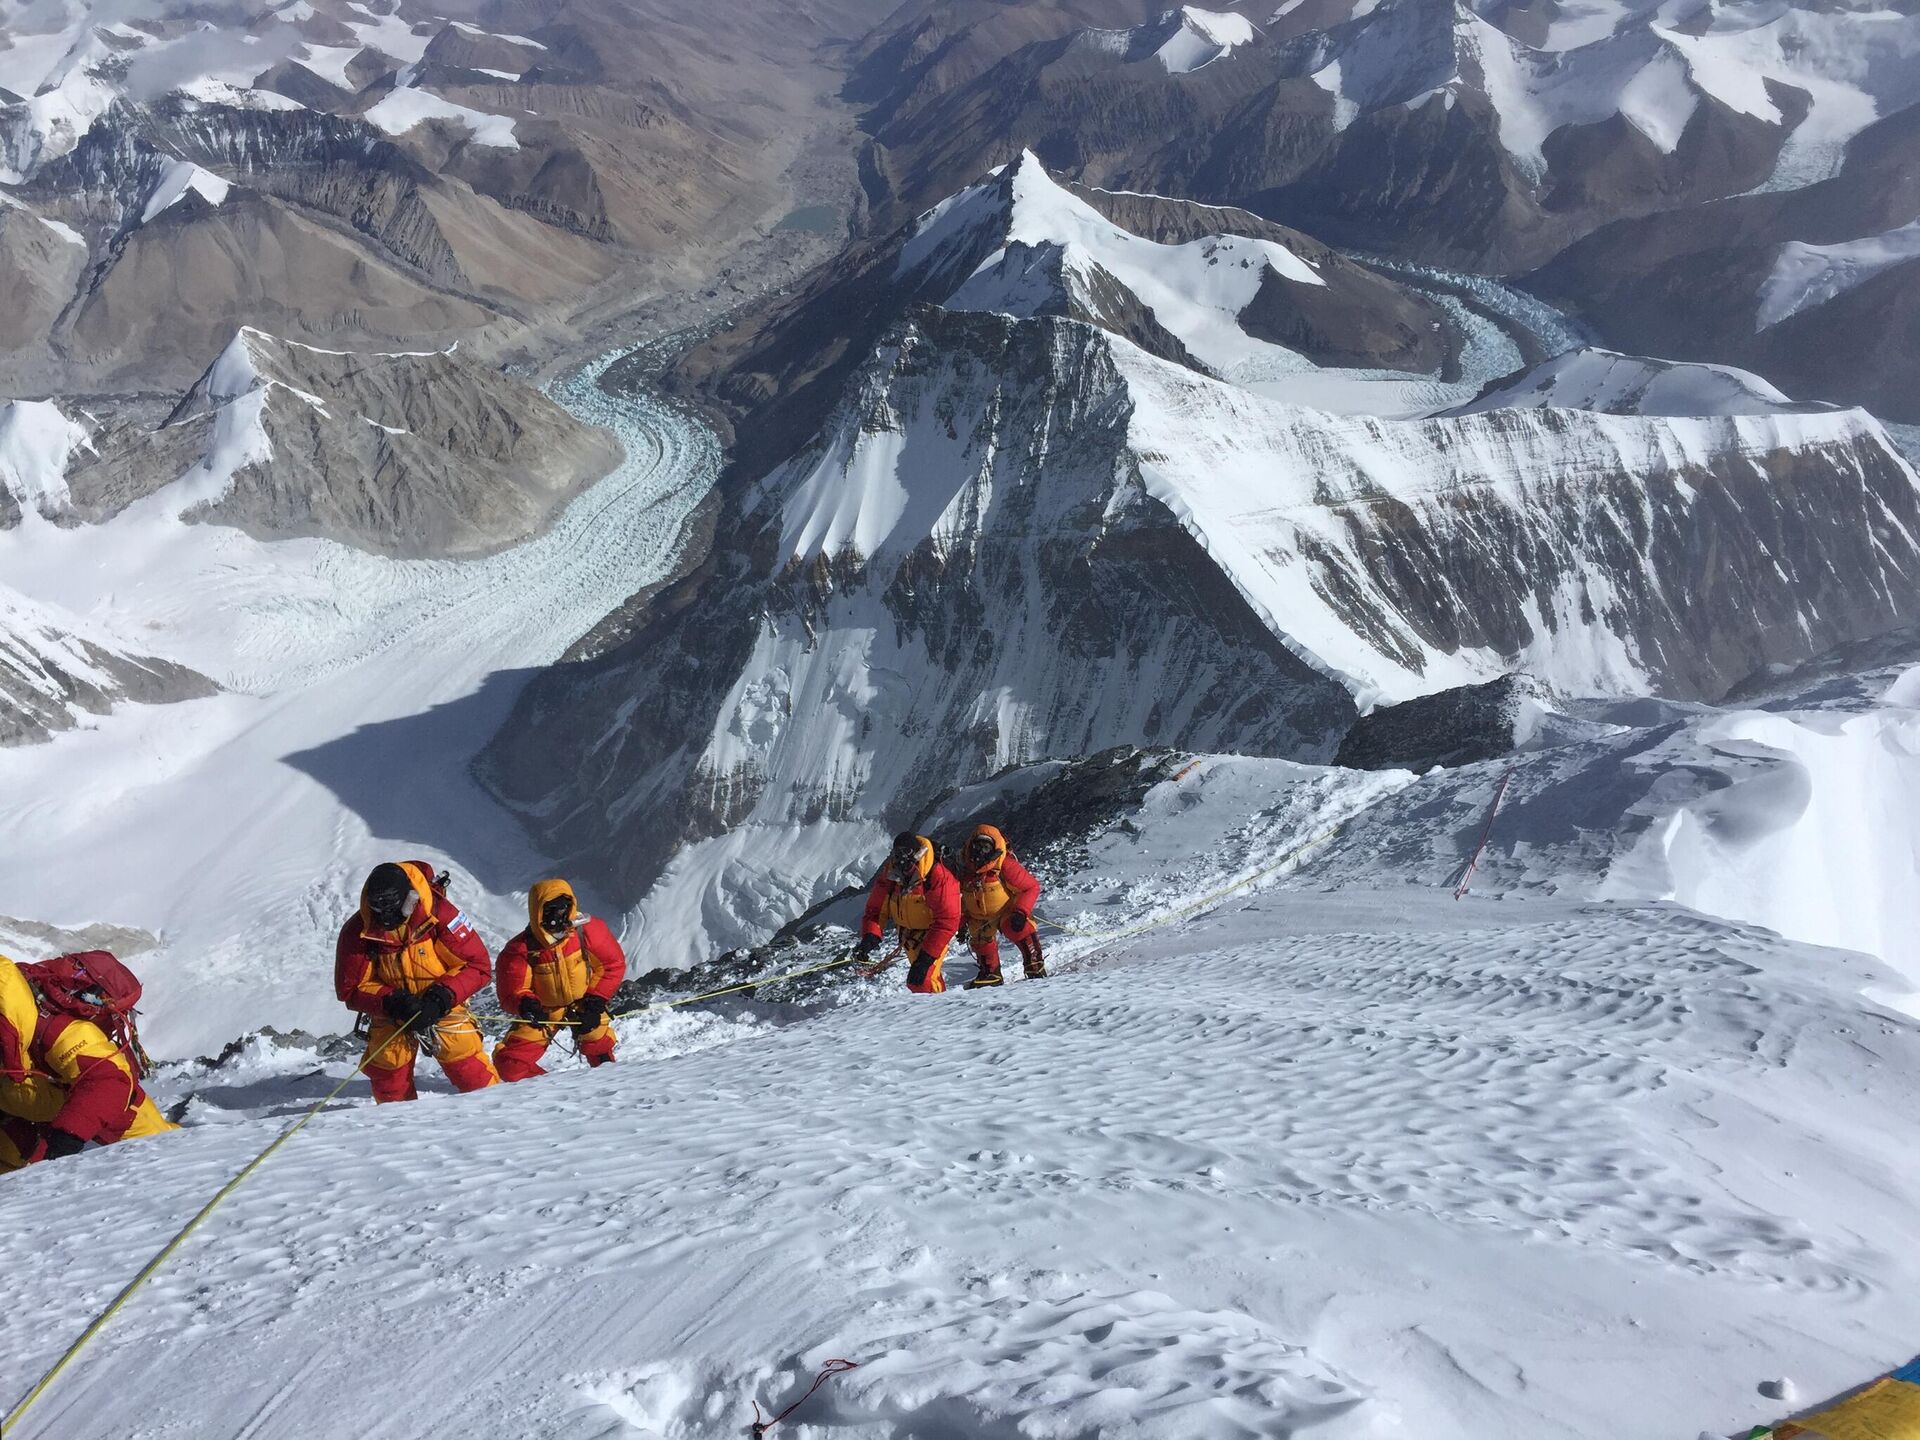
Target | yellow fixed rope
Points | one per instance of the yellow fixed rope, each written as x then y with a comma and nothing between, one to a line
686,999
167,1250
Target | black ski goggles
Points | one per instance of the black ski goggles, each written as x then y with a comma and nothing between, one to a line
556,916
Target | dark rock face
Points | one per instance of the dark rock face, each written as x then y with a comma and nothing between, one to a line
1453,727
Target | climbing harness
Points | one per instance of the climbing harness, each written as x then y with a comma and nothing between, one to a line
832,1367
1473,862
166,1252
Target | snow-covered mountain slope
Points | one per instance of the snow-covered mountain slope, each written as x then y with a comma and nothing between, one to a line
1615,384
355,690
1374,1165
403,454
1211,287
38,442
1020,539
1482,136
1019,243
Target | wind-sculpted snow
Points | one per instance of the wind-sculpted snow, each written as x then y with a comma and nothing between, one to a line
1335,1165
359,688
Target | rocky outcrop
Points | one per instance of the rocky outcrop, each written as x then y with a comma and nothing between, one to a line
1452,727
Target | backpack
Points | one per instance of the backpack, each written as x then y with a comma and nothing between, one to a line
93,985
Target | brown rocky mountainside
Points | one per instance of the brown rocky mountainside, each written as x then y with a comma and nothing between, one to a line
402,454
389,174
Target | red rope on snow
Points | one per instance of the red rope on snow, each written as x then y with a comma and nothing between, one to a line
1499,793
832,1367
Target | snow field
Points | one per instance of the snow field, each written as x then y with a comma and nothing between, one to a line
1365,1165
402,109
330,658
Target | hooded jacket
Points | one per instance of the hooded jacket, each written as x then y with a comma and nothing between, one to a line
435,945
557,972
987,891
64,1072
928,905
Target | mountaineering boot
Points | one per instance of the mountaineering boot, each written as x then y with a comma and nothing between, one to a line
986,979
1031,959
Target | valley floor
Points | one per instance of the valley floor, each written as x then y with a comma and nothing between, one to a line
1370,1164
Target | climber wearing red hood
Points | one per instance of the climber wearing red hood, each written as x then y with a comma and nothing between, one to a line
922,900
70,1058
561,970
997,894
410,961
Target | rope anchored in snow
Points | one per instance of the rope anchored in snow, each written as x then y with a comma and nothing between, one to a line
1473,862
688,999
166,1251
833,1367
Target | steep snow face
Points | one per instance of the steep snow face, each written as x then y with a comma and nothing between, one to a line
1408,557
1200,37
1275,1168
1615,384
37,444
183,177
1020,244
70,68
1808,275
59,670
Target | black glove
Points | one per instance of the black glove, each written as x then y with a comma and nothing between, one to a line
435,1001
1018,919
62,1143
589,1011
402,1007
868,944
532,1009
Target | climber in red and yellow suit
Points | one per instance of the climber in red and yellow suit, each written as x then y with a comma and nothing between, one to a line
410,960
997,896
921,898
561,970
63,1081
